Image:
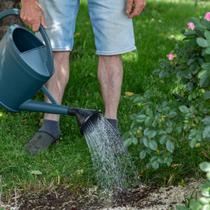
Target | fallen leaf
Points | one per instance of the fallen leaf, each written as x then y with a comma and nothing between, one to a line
197,145
129,93
175,165
76,34
36,172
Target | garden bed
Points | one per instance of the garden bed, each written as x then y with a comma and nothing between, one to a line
143,197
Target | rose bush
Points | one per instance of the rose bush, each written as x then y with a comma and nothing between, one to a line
159,128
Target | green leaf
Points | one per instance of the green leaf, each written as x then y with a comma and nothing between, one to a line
170,146
189,33
178,130
204,81
205,166
186,74
206,131
195,20
169,123
183,109
125,136
147,94
206,120
135,141
169,130
193,142
145,142
199,33
194,67
192,109
166,110
190,86
160,160
202,42
192,43
146,130
203,73
142,154
141,118
149,112
154,124
206,207
128,142
206,23
164,104
151,133
207,51
206,95
156,71
172,114
195,205
162,74
201,27
190,61
138,100
158,108
181,207
163,139
148,121
207,34
155,164
153,145
204,200
161,132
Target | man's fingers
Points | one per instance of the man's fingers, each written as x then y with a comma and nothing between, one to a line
43,23
139,6
35,27
129,6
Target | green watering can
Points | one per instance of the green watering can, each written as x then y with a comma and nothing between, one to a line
26,64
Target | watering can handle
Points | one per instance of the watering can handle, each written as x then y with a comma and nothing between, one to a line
41,30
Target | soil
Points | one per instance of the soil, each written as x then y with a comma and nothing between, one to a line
141,197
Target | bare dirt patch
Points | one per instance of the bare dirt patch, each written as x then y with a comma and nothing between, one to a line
141,197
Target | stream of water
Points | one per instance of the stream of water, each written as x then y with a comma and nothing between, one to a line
111,160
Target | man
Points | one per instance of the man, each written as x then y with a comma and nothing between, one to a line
113,31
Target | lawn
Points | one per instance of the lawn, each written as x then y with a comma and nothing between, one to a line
68,162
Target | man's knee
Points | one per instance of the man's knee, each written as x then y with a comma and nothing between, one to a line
61,54
110,59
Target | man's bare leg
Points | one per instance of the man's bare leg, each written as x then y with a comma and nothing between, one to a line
50,129
57,83
110,75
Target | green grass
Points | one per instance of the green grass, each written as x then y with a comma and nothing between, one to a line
154,41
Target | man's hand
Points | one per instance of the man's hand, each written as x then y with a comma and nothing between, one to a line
32,14
137,9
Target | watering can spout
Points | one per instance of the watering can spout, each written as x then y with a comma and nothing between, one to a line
82,115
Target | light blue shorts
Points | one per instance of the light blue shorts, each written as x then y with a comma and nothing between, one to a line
112,29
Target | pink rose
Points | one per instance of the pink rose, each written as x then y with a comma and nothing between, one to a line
207,16
191,25
171,57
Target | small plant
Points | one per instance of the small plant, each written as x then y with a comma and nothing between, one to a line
204,201
158,129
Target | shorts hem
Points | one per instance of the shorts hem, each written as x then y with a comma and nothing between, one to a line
115,52
61,49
